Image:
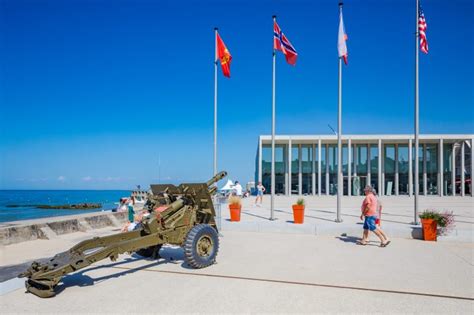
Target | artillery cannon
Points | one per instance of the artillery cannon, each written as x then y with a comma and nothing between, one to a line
181,215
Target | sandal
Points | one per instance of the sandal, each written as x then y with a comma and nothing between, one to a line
362,243
385,244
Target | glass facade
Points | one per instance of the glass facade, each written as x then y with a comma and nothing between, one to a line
359,171
389,169
332,162
374,167
431,168
448,169
323,169
403,170
345,168
451,176
280,167
307,169
295,169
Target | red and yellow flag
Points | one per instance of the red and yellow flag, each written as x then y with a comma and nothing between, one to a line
224,56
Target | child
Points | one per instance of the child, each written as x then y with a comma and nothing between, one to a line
378,220
379,210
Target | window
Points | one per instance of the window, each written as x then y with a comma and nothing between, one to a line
295,169
389,169
403,170
280,168
307,169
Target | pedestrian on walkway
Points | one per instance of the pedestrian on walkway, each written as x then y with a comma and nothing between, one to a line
131,212
369,215
260,190
378,220
237,189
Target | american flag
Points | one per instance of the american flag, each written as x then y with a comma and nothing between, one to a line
281,43
421,30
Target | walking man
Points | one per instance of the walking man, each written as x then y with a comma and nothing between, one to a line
369,215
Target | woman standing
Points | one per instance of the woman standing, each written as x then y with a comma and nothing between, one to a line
260,191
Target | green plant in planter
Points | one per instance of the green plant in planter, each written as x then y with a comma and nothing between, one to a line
430,214
300,202
445,220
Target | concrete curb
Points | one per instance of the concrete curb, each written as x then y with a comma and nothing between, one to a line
16,232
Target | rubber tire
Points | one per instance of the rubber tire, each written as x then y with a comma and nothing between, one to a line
191,256
148,251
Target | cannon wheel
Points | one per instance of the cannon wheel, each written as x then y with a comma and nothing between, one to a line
152,251
201,246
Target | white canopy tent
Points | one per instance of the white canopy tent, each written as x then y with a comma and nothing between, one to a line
228,186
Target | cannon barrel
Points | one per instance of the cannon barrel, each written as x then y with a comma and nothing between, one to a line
216,178
212,190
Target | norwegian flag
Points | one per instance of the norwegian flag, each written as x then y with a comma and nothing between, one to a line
422,30
281,43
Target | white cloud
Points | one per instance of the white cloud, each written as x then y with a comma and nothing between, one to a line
111,179
61,178
87,179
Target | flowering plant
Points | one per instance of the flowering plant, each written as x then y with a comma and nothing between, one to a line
444,220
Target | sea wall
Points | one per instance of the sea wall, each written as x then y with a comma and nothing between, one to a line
47,228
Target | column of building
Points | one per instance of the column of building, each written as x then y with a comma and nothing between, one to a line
356,159
410,168
463,186
441,169
313,170
472,165
300,171
327,169
288,186
425,175
260,159
380,169
396,170
453,170
319,167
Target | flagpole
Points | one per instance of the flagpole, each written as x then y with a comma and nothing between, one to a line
417,176
215,102
339,141
272,201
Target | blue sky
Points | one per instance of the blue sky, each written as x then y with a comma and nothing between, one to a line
93,94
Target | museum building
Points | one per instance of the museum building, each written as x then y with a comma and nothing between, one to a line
307,165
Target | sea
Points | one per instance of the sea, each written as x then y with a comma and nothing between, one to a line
23,198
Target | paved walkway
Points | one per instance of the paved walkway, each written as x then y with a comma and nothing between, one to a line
258,272
320,215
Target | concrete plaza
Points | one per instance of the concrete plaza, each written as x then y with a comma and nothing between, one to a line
320,215
256,273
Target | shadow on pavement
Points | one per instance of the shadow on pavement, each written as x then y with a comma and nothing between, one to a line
168,254
354,240
254,215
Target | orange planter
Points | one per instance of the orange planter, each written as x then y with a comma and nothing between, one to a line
235,212
298,214
429,229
